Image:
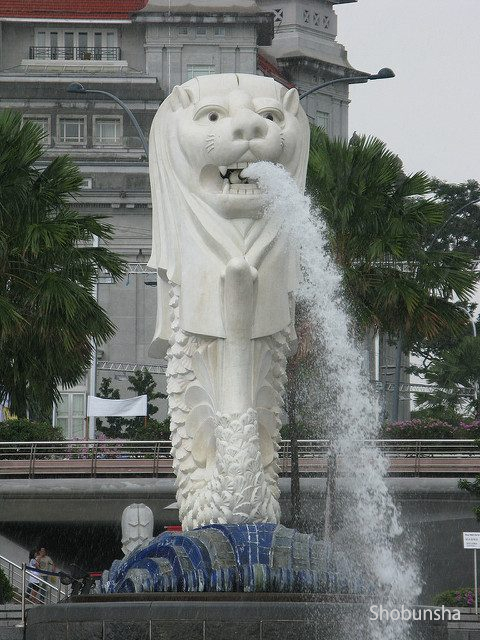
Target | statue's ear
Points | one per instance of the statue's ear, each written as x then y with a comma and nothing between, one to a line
180,98
291,101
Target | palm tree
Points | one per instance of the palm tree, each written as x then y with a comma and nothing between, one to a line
454,372
48,266
377,218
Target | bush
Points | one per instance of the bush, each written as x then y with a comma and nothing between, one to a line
430,429
153,430
6,589
462,597
27,431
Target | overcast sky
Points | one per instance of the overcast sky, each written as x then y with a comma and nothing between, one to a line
429,113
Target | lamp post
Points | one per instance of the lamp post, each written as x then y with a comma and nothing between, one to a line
381,75
76,87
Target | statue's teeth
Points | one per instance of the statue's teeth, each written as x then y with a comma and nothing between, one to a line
223,170
226,186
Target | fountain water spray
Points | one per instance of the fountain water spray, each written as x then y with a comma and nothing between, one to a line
370,528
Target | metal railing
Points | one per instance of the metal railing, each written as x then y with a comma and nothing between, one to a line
19,577
74,53
117,458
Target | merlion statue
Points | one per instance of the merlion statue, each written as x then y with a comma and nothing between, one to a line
226,277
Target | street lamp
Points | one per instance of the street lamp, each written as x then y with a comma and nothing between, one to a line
381,75
76,87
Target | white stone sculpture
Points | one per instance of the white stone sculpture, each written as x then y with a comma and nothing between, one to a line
226,276
137,526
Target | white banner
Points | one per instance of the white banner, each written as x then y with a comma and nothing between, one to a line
101,407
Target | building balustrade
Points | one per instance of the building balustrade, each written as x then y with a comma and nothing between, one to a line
75,53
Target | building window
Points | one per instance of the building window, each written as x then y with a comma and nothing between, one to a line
322,120
69,44
218,31
107,131
70,415
306,15
87,183
72,130
195,70
201,31
277,17
44,123
182,31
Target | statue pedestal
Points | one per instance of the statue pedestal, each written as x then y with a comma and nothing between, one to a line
209,616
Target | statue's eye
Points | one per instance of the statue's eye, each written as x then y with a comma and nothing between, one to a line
210,113
274,115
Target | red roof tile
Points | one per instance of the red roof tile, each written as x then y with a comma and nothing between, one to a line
71,9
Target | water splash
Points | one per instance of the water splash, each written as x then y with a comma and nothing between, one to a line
370,530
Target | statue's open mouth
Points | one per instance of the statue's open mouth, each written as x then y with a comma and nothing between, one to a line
235,182
229,180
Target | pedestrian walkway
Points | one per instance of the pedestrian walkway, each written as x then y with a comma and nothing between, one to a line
467,628
10,616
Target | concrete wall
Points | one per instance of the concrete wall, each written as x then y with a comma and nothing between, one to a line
81,518
16,42
169,51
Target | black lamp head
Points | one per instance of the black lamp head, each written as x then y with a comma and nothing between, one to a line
76,87
385,73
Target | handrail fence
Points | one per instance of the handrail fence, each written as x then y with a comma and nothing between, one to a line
48,592
152,458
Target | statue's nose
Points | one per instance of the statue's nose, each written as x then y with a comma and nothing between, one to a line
248,125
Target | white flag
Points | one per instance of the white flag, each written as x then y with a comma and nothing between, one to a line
103,407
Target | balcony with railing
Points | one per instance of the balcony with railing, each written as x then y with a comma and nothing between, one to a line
109,54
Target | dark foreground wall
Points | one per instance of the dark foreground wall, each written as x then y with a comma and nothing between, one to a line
212,618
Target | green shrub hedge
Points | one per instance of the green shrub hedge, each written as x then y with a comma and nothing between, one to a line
6,589
27,431
424,428
461,597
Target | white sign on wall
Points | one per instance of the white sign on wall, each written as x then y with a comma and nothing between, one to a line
471,540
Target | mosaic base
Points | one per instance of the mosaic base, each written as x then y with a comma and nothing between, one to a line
233,558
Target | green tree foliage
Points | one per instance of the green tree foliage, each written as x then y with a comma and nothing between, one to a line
453,372
461,228
473,488
48,266
28,431
6,589
142,383
114,426
152,430
377,218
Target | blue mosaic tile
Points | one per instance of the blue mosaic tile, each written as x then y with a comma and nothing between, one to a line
255,557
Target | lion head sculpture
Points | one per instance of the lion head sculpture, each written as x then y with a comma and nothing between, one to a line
205,212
